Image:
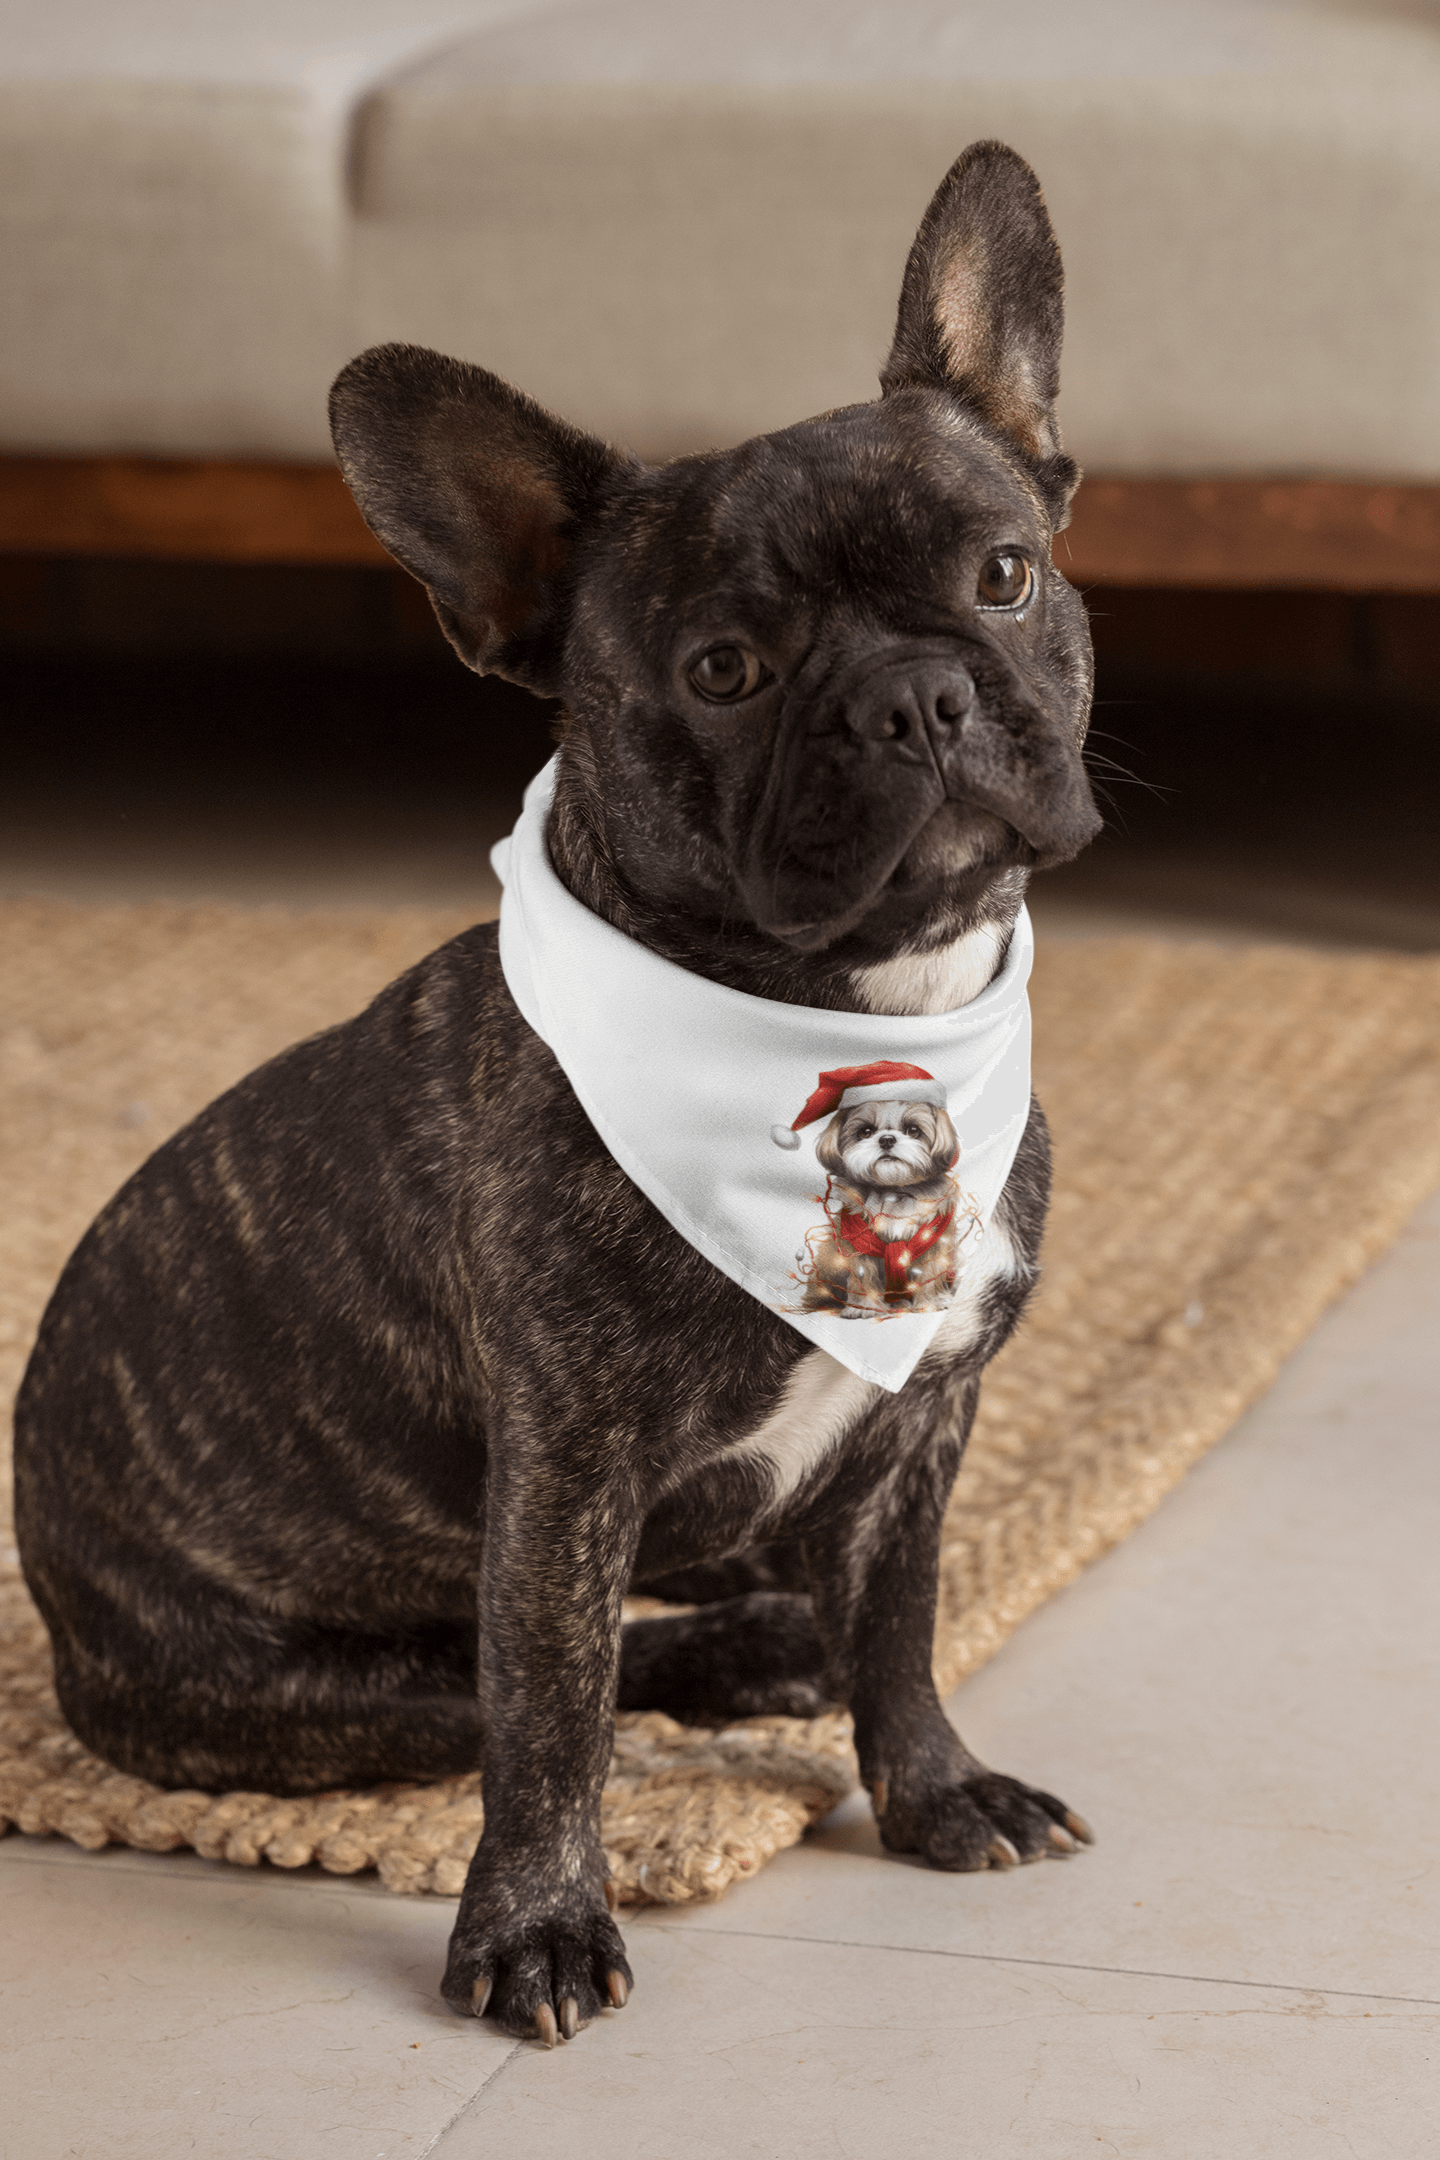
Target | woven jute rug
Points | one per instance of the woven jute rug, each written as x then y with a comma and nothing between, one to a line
1237,1131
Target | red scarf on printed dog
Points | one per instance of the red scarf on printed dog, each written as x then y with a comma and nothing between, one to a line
899,1254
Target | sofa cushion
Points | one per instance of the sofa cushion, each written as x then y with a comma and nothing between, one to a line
680,222
171,260
174,215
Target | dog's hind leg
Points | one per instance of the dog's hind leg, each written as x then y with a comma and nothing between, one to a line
752,1656
280,1707
763,1567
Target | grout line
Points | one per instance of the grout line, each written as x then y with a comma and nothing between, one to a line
1130,1972
465,2106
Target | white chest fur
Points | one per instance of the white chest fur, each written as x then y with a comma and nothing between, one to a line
934,981
823,1399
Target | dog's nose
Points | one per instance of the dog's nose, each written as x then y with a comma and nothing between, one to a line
887,1141
929,697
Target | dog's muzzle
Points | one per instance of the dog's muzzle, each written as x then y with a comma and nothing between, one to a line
1019,766
877,752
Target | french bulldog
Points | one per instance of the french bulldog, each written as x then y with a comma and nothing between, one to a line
326,1474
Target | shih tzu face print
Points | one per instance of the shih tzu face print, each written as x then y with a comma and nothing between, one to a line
889,1146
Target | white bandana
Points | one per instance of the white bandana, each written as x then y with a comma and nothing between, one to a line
693,1088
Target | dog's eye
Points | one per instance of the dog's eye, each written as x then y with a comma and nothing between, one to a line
1005,581
864,1132
726,674
912,1132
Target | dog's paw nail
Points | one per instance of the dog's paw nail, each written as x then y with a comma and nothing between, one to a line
480,1995
546,2030
1061,1839
617,1990
612,1895
1003,1853
1078,1827
569,2017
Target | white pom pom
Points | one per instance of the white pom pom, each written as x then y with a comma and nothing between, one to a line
785,1136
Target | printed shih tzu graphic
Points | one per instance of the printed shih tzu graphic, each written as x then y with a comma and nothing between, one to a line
895,1218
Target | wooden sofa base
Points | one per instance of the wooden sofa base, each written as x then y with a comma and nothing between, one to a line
1324,535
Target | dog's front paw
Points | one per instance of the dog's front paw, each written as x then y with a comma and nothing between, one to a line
981,1821
539,1975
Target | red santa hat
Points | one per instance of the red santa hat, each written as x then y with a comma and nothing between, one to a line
884,1081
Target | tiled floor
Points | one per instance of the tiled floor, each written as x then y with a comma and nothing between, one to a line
1241,1698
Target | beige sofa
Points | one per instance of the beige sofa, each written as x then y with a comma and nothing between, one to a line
682,221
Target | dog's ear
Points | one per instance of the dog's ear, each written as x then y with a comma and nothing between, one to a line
827,1148
946,1151
982,308
478,492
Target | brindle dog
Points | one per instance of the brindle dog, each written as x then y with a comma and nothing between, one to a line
324,1475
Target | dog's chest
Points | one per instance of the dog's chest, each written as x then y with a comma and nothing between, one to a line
823,1401
897,1216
